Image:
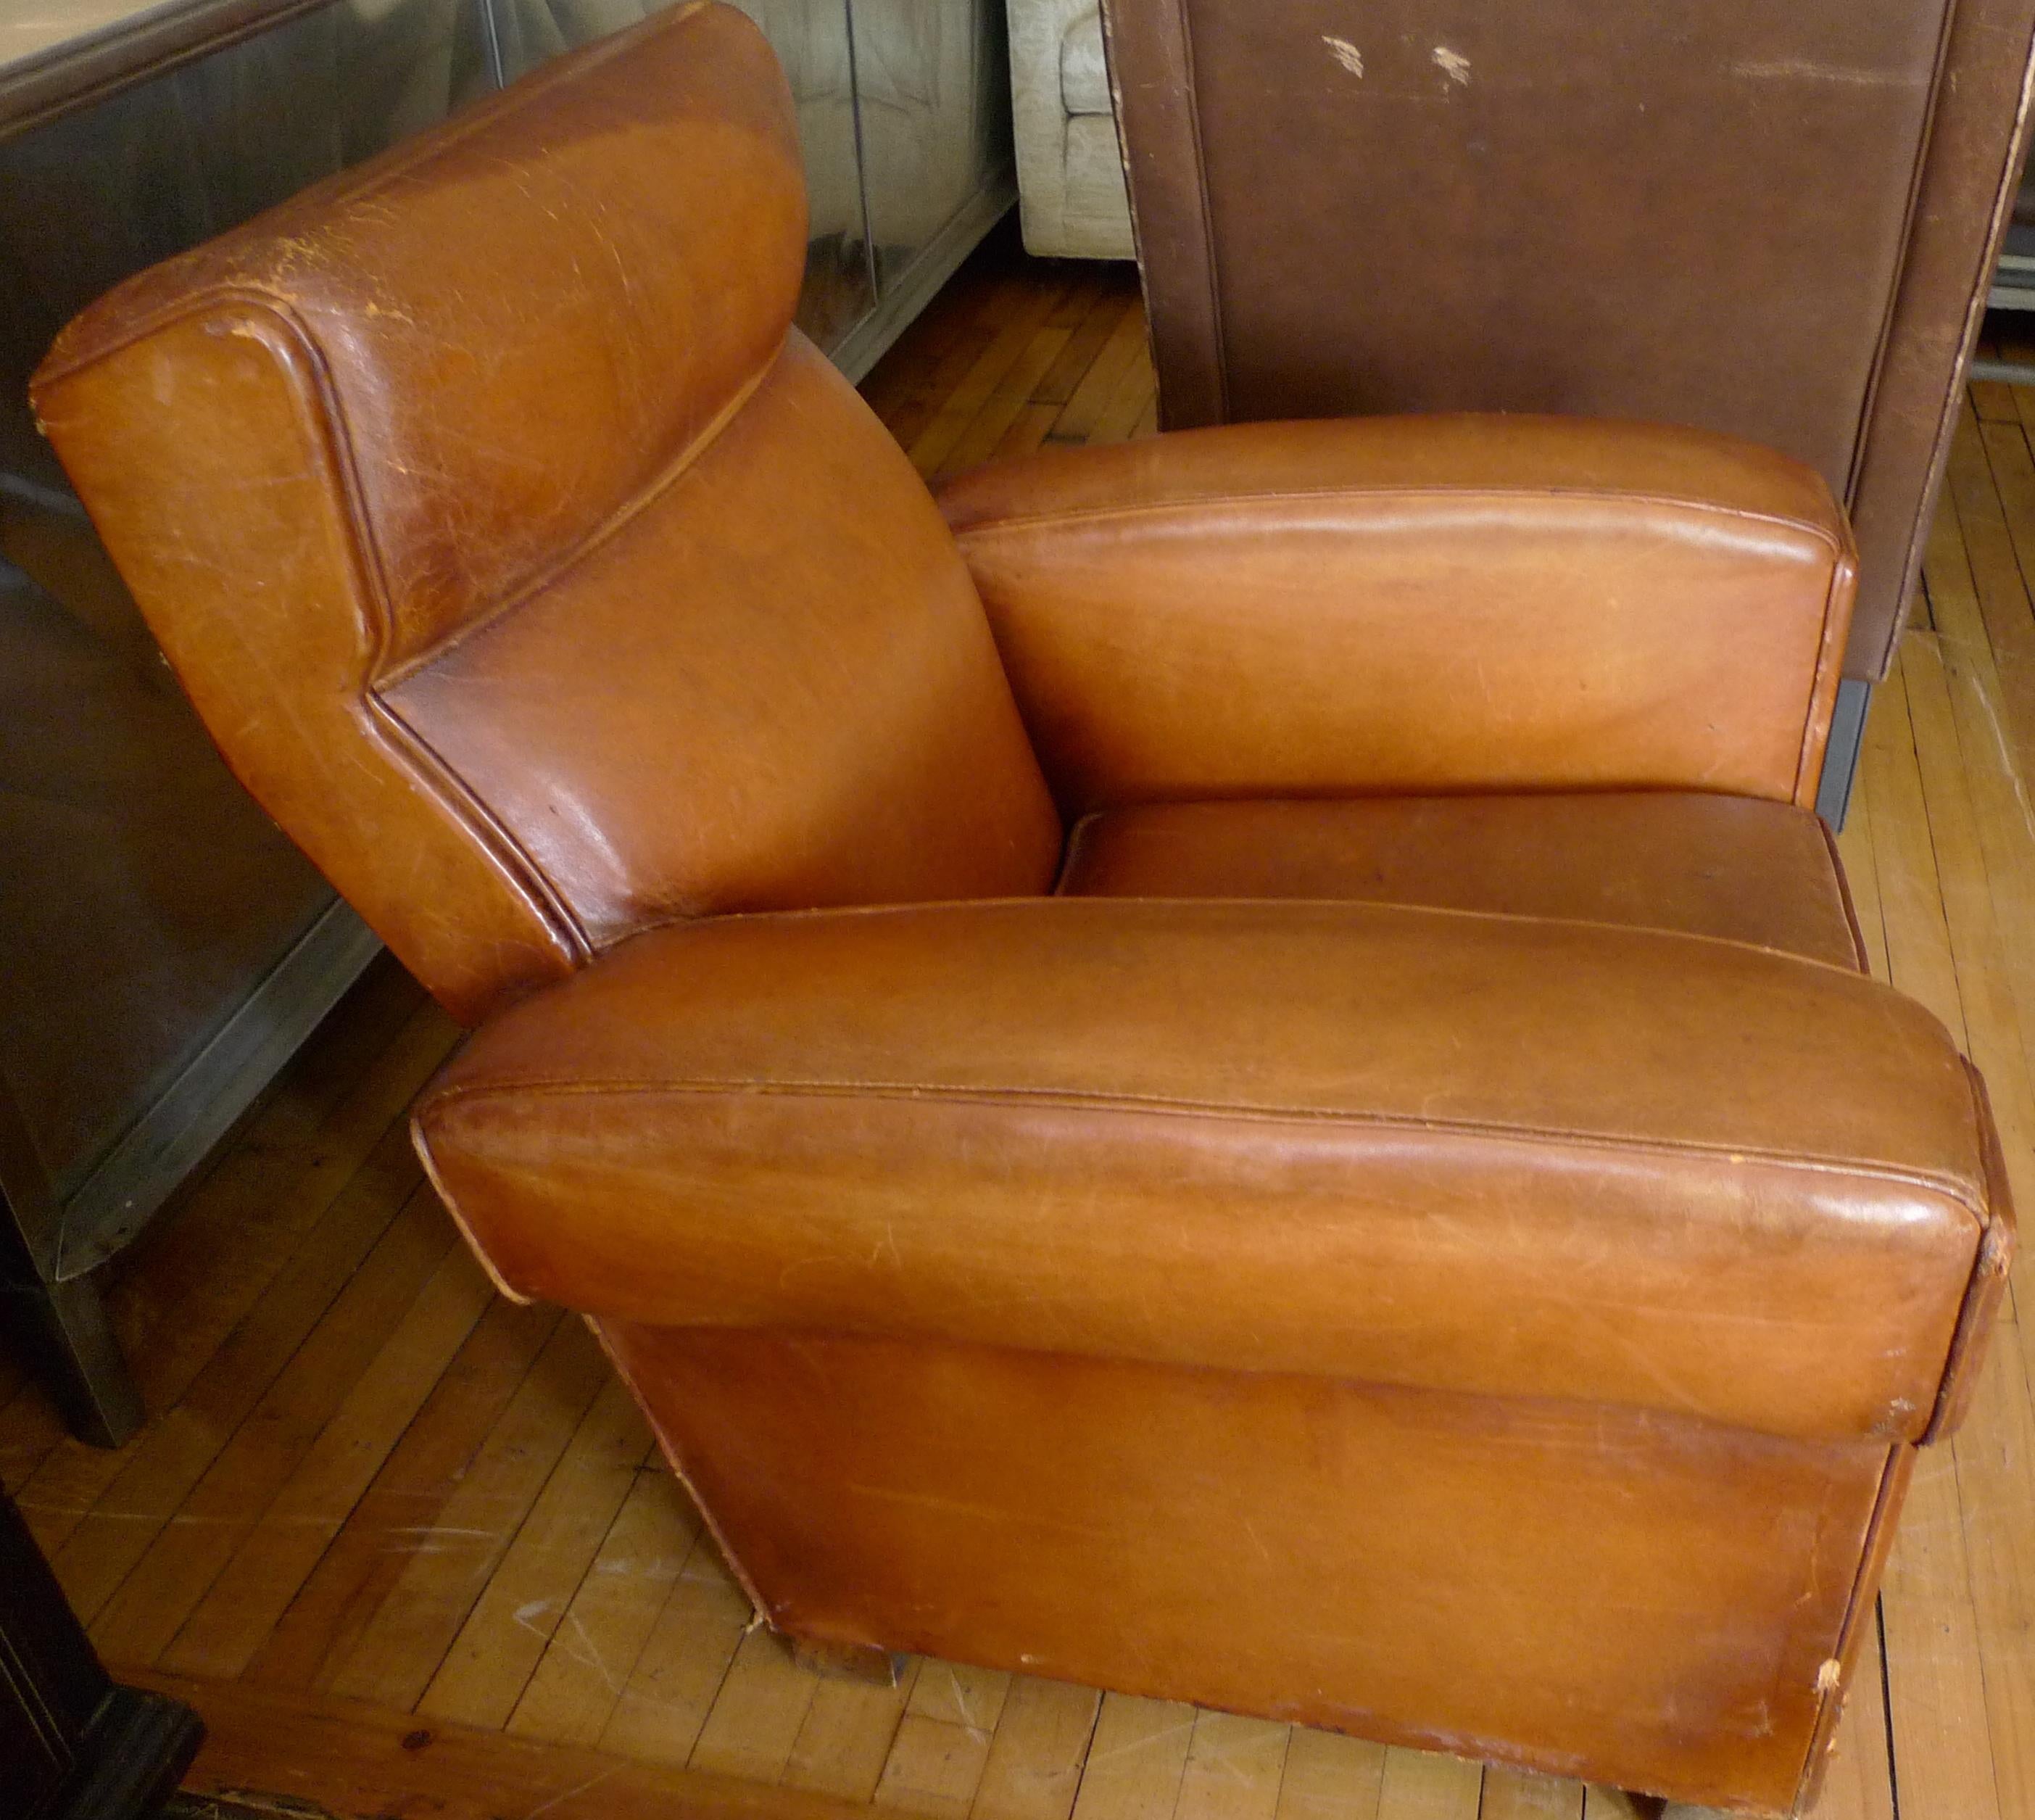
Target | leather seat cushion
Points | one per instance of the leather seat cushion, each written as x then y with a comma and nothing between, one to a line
1730,867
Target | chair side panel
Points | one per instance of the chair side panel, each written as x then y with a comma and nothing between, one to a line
1649,1602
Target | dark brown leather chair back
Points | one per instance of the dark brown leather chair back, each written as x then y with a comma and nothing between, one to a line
1775,221
554,667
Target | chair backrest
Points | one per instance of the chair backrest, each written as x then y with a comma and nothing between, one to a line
526,565
1775,221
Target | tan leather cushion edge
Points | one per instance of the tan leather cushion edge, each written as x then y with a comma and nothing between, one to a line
1007,1123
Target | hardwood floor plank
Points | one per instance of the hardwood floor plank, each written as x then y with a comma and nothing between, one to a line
1992,489
356,1569
1943,1740
934,1768
1234,1769
848,1734
591,1654
1090,336
1993,1030
1123,352
954,1694
1005,402
223,1244
1329,1776
931,448
244,1603
1855,849
164,1466
404,1643
941,1752
1136,1760
1135,395
1519,1795
671,1689
1425,1785
1027,433
756,1717
497,1649
1918,939
341,1756
1994,1454
1034,1771
138,1623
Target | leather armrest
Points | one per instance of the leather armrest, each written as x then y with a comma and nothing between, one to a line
1414,604
1471,1154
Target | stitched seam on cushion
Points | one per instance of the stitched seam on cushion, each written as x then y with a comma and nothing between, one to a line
328,427
652,490
1815,677
1104,515
929,1092
1793,956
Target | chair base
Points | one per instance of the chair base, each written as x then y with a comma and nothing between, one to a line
844,1661
1639,1599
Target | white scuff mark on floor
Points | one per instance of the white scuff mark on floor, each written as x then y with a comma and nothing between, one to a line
1345,53
1453,64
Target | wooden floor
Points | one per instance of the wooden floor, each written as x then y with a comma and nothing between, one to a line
365,1478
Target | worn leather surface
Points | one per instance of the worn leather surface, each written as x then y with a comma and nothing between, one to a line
1410,605
1729,867
1584,208
1622,1594
505,635
1501,1331
1359,1140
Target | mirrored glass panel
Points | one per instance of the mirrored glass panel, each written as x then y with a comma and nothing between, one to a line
811,39
145,900
933,81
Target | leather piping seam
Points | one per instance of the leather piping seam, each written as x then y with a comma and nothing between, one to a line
1987,1282
1057,895
1219,351
1794,957
1845,898
2010,182
648,493
1988,1274
935,1094
1803,797
1856,1605
1918,170
328,424
1160,508
673,1458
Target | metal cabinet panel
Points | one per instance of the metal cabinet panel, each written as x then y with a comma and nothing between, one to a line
165,947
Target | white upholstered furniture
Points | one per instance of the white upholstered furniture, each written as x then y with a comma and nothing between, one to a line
1069,171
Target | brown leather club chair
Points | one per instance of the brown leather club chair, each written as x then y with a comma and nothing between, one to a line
1236,1073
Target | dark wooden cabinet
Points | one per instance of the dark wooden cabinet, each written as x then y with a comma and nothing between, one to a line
74,1744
